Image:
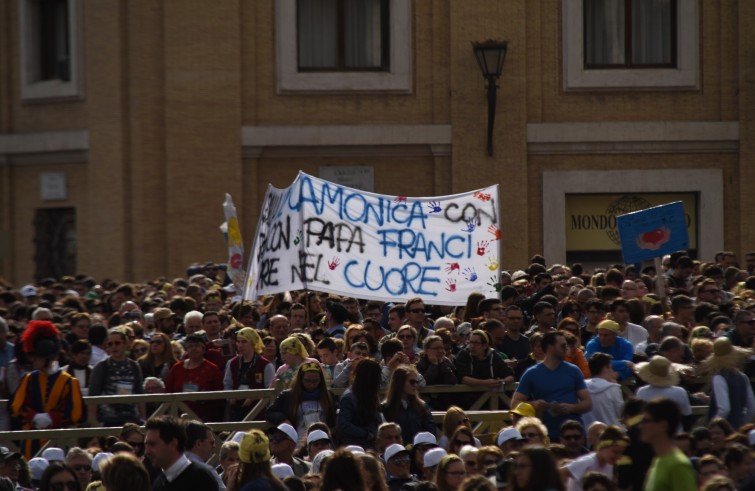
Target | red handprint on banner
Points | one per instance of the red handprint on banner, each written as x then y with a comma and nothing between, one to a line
481,246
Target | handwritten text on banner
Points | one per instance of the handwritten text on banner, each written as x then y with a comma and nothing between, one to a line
319,235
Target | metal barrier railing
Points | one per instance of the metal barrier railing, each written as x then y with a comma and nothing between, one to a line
485,413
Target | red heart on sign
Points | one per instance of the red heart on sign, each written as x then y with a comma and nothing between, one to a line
653,237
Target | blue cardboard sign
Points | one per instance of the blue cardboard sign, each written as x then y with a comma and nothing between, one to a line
653,232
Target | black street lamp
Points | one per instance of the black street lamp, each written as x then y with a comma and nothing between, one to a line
490,56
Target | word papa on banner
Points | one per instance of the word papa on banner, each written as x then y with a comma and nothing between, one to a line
319,235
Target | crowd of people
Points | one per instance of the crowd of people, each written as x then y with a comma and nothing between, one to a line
604,366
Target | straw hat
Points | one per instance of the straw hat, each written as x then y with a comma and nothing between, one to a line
725,356
659,371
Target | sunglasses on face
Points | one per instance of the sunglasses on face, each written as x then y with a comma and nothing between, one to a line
83,467
114,343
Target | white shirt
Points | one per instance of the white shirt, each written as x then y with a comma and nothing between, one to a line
676,394
98,354
635,334
578,468
180,465
607,402
723,404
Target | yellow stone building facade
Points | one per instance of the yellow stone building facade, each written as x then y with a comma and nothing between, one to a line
115,156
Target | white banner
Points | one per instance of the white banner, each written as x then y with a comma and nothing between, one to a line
321,236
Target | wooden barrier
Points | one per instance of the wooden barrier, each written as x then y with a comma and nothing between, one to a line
487,413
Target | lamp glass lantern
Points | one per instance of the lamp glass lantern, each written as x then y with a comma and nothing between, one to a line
491,56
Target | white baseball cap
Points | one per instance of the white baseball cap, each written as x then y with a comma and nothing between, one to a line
289,431
52,454
424,438
354,449
99,459
38,466
468,450
282,471
317,462
433,456
29,291
316,436
393,450
508,434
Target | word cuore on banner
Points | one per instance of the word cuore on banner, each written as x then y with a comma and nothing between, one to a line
319,235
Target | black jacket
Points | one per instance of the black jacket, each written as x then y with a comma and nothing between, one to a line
193,478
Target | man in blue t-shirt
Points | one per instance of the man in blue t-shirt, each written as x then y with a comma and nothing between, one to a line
554,387
608,341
